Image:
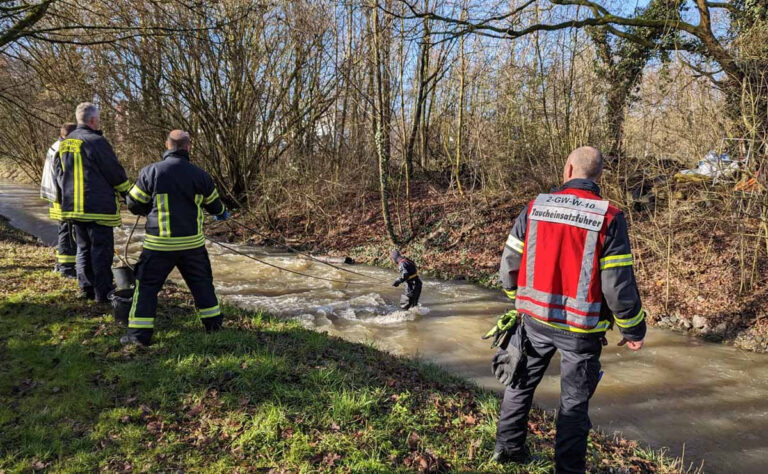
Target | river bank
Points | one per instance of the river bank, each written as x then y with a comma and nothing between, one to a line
690,280
261,395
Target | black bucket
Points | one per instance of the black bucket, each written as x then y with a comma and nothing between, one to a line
121,305
124,278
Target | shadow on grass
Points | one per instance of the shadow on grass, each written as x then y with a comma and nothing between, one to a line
260,392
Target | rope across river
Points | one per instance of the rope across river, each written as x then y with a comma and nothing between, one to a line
298,252
278,267
233,250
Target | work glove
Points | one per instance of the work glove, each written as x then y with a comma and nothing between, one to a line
223,216
506,365
397,283
503,327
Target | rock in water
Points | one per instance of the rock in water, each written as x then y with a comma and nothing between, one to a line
700,322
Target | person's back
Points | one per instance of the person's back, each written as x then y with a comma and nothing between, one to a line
179,189
567,265
89,177
557,283
172,194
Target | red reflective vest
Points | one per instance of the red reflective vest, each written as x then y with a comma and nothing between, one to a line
559,278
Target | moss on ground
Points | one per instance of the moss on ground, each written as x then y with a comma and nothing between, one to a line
261,395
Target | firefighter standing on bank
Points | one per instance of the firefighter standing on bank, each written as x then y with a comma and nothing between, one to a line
567,264
172,194
66,247
90,178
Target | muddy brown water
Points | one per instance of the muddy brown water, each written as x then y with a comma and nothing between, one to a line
708,402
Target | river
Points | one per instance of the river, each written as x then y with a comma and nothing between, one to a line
708,402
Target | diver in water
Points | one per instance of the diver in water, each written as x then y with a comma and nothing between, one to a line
409,275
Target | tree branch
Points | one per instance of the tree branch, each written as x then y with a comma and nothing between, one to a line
19,29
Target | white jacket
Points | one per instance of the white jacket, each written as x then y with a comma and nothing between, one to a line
48,186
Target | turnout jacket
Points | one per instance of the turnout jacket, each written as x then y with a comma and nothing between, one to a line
567,263
89,177
172,194
49,188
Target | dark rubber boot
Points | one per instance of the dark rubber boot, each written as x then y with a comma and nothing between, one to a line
521,456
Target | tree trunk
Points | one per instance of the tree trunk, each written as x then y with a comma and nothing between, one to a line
460,121
382,116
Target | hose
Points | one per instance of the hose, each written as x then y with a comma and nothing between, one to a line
128,242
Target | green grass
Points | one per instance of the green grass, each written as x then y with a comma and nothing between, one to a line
262,394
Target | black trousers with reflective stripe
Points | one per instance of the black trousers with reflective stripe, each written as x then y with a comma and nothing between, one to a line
412,293
579,375
95,250
153,269
66,247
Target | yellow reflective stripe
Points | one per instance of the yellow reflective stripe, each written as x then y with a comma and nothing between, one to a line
198,201
141,323
616,257
134,303
163,215
154,242
185,238
626,263
61,258
602,326
211,312
515,244
612,261
79,185
413,276
630,322
211,197
111,220
511,294
89,216
54,212
172,248
124,186
138,194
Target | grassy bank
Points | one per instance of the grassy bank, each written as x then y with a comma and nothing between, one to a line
261,395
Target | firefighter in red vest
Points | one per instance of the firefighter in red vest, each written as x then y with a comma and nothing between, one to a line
567,265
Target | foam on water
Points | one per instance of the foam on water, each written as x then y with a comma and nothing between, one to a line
397,317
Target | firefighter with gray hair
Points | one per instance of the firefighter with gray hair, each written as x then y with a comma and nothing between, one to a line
567,266
91,178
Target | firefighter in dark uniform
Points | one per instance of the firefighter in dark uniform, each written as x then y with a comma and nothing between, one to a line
567,265
90,178
409,275
66,246
172,194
